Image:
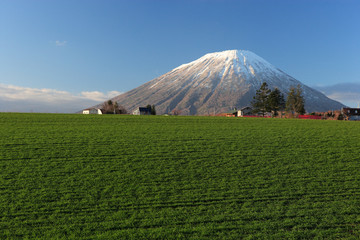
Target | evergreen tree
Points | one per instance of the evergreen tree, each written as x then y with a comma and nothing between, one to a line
295,102
300,103
290,101
260,104
276,101
153,110
116,106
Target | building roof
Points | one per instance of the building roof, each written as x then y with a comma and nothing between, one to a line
91,108
144,109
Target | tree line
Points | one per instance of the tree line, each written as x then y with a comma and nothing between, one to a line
110,107
266,100
152,109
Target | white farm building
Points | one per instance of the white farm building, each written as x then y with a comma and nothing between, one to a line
244,112
92,111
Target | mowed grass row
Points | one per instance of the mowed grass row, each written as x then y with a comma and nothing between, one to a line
136,177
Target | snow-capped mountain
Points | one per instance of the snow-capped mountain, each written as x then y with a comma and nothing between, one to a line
218,82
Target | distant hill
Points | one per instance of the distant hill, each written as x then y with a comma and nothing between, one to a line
218,82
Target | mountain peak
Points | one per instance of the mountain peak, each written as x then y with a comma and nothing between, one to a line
234,54
240,60
227,55
218,82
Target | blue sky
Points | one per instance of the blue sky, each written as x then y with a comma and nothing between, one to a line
94,49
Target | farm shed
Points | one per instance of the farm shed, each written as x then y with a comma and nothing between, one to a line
142,111
92,111
245,111
351,113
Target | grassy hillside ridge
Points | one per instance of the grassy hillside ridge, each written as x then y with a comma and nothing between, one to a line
112,176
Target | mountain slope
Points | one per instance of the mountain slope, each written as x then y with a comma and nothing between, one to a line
218,82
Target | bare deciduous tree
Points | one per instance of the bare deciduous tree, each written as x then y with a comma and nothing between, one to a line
111,107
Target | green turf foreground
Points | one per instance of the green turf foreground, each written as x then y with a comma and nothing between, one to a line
157,177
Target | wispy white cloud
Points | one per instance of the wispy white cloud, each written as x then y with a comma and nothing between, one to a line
351,99
99,96
59,43
24,99
346,93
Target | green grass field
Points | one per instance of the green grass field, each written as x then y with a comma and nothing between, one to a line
156,177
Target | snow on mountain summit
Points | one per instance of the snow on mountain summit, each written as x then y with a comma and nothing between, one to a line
241,62
237,58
